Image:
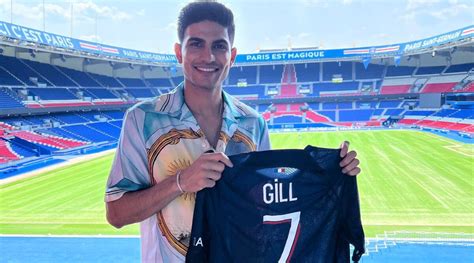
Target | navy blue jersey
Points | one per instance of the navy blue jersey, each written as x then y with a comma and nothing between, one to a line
279,206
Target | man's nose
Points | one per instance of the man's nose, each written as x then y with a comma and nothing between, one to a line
207,55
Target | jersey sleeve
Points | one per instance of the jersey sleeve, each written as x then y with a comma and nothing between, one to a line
129,170
264,143
352,225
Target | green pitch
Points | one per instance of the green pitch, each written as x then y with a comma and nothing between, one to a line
410,181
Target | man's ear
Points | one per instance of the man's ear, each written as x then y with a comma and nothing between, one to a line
233,54
179,54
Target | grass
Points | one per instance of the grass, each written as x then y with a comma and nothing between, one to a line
64,201
410,181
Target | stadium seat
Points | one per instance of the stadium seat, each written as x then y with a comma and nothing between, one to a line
396,89
438,87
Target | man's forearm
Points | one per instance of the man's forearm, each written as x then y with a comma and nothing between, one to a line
134,207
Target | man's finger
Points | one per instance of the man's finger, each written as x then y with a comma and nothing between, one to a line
215,166
349,157
354,172
344,148
351,166
209,183
221,157
214,176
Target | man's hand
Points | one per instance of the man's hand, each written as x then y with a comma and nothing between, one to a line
204,172
349,163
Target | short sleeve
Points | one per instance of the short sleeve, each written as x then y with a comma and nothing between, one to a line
129,170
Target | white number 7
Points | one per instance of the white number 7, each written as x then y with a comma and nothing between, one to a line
294,219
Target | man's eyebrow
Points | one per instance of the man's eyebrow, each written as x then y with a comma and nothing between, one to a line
221,41
197,39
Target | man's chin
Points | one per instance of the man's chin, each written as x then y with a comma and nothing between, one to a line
208,85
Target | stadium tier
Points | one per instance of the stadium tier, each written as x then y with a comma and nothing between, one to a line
79,77
395,89
18,70
399,71
141,93
130,82
159,82
36,84
270,74
8,101
332,70
372,71
246,75
6,152
54,142
52,94
308,72
460,68
49,73
430,70
98,93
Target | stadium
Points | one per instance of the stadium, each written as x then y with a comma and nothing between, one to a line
408,109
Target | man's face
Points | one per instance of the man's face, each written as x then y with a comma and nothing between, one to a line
206,54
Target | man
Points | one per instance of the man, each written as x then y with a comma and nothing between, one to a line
178,143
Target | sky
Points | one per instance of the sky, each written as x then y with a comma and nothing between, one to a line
150,25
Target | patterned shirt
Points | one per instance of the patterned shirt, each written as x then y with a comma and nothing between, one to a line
160,137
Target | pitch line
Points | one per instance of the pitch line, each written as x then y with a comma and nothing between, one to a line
451,142
454,147
451,145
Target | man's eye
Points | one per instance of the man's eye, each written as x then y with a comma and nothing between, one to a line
220,46
195,44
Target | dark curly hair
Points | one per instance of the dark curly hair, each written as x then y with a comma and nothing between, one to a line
199,11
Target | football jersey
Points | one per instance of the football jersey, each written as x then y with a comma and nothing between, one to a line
279,206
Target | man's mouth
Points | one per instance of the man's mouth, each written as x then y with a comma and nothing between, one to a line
207,69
